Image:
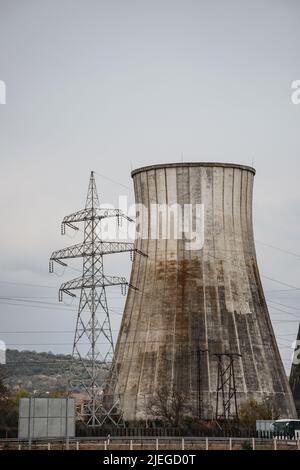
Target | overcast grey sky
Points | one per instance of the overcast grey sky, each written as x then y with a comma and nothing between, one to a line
116,84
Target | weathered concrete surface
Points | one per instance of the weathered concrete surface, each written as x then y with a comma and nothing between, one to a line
295,375
211,298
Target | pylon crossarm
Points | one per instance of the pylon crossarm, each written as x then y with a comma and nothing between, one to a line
64,291
91,282
89,249
95,213
118,281
114,280
140,252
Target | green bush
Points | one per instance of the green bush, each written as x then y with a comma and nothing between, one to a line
246,445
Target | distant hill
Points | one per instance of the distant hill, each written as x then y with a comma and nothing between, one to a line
38,373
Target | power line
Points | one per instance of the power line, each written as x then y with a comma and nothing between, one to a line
50,307
280,282
283,305
47,344
40,331
268,291
278,249
284,311
25,301
285,321
113,181
27,284
287,334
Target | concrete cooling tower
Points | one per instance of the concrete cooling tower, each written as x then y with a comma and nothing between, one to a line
199,312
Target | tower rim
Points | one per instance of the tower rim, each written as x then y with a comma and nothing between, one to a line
193,164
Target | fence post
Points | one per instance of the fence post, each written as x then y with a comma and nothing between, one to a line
253,443
275,443
230,443
19,447
105,445
206,443
49,446
29,424
77,445
156,444
130,444
298,443
182,443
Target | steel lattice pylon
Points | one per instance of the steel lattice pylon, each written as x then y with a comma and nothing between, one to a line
93,345
226,387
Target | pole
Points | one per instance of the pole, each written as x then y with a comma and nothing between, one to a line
199,383
67,431
29,425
